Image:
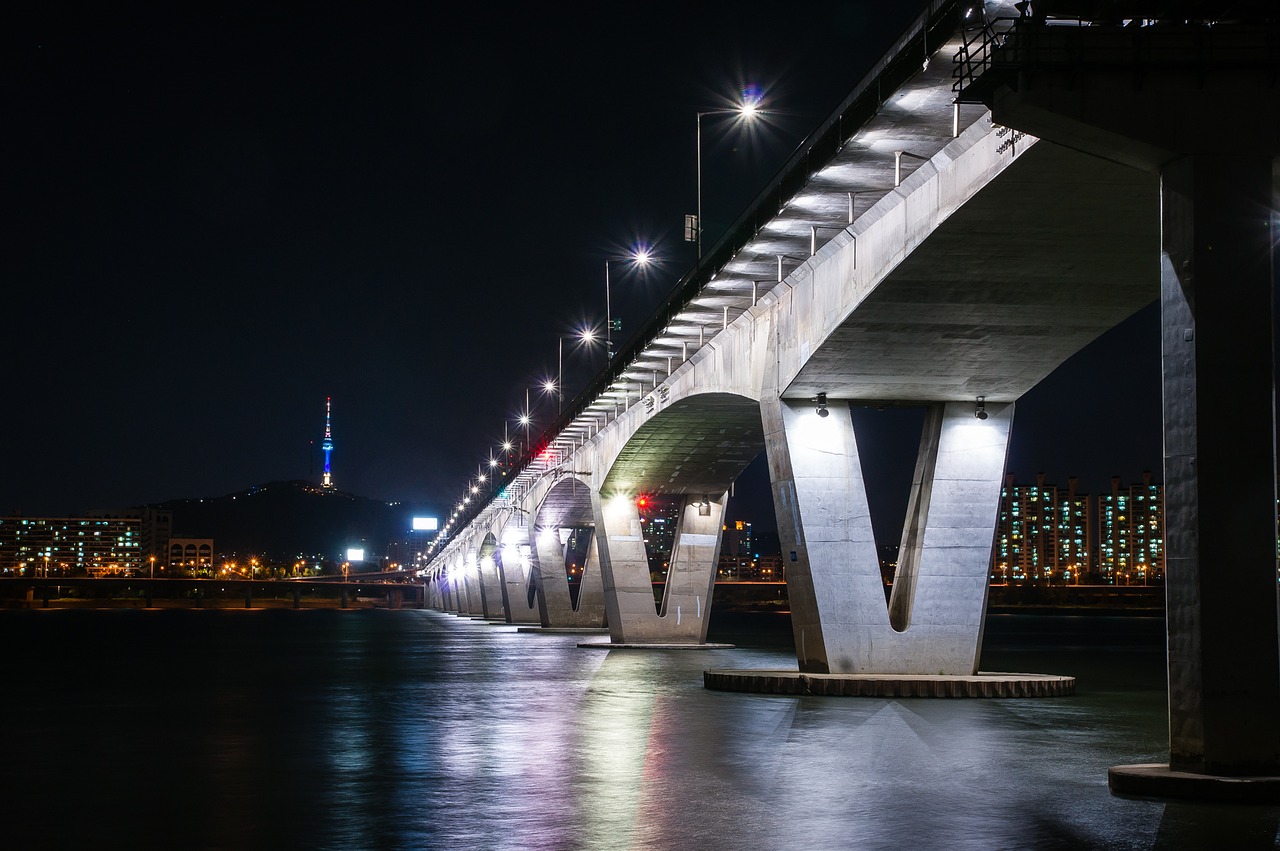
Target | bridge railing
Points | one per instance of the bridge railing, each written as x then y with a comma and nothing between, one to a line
977,52
1014,45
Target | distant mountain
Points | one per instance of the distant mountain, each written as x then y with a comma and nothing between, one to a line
282,520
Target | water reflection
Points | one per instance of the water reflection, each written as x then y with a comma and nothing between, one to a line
419,730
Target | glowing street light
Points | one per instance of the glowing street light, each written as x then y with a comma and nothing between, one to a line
585,337
641,255
748,110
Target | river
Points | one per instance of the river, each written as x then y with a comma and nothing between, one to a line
333,729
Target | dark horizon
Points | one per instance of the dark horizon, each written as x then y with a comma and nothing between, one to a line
228,217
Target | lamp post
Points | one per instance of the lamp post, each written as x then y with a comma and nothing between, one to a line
747,110
586,336
640,257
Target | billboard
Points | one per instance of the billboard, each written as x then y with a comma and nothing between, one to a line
425,524
355,553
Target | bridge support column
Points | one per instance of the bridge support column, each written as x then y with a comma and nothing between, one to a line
628,588
490,581
471,586
555,604
838,610
515,567
1218,242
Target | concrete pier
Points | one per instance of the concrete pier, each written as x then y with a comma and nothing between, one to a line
1158,98
888,685
933,625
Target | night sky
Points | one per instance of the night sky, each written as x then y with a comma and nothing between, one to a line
220,215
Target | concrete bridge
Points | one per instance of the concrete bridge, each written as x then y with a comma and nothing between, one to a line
947,253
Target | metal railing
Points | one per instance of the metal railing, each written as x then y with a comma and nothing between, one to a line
1138,46
977,52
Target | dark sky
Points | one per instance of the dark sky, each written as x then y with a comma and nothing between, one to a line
219,215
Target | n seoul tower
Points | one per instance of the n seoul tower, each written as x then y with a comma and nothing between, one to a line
326,480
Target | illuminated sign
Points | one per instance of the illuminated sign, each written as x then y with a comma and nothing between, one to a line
355,553
425,524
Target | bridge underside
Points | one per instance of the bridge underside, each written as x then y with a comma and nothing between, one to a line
696,446
1052,253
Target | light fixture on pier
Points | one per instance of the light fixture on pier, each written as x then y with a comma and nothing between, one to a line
704,507
822,404
981,410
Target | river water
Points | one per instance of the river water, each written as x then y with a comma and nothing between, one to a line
414,729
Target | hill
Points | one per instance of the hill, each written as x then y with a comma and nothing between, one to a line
282,520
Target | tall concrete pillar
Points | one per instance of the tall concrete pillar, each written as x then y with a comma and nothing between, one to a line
555,603
1218,240
628,589
515,565
490,579
590,611
471,587
838,610
695,556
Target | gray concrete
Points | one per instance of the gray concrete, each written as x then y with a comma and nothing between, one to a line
562,506
1159,99
1158,780
838,609
990,262
490,576
1220,497
632,615
555,603
515,565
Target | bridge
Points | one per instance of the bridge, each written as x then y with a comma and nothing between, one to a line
947,238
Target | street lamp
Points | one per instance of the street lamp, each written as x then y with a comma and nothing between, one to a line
526,419
747,110
586,337
639,256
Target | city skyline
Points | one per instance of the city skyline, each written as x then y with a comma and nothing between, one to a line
402,221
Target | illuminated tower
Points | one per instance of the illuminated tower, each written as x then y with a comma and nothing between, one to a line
326,480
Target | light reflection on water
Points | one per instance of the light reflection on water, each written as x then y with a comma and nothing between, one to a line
410,729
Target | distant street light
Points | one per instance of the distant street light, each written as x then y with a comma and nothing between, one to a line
747,110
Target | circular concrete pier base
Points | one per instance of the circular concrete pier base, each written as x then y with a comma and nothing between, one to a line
981,684
563,630
1158,780
605,645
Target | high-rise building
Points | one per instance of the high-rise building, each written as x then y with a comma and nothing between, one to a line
1114,557
102,545
737,538
326,478
1131,533
1027,531
1075,533
1047,534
